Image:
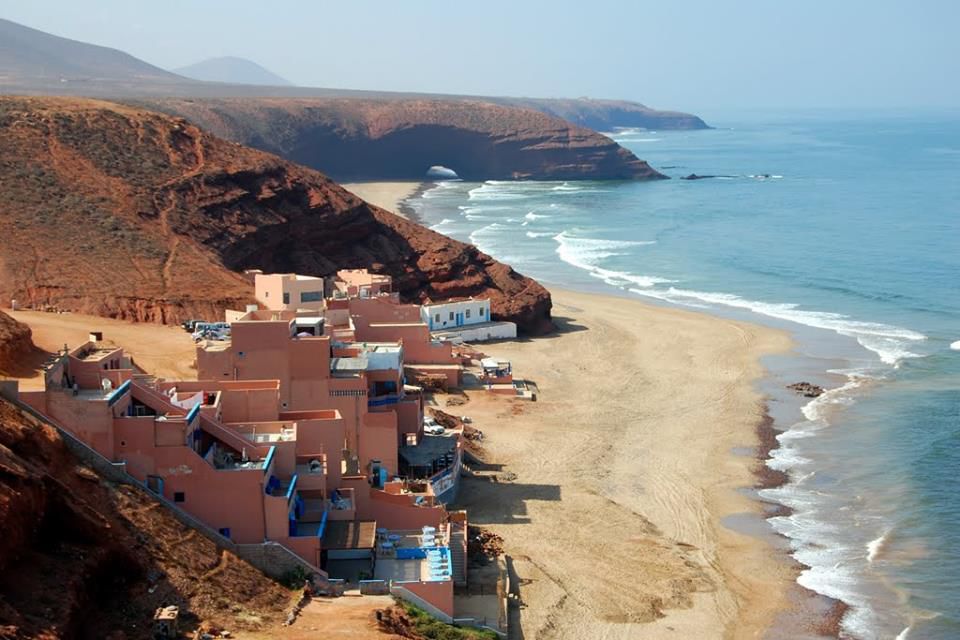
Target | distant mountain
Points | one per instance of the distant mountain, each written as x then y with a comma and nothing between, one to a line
232,70
32,61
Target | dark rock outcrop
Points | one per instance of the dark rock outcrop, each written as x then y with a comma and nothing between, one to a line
128,213
16,343
353,139
806,389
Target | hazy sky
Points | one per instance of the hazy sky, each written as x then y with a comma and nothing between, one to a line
688,55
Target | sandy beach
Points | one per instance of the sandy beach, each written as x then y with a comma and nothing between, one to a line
386,195
609,491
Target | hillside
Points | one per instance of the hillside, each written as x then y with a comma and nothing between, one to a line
351,139
84,558
234,70
33,58
127,213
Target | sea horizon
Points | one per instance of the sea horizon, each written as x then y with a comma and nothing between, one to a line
835,225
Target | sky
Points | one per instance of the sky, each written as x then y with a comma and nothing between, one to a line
690,55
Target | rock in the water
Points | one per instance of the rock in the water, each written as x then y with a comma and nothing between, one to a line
806,389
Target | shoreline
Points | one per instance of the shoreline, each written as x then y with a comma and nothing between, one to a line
389,195
645,472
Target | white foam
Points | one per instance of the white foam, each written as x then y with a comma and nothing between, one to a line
539,234
531,216
875,546
955,345
440,225
887,341
588,253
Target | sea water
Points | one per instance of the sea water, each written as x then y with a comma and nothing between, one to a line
843,228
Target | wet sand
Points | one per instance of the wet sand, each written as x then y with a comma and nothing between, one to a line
611,489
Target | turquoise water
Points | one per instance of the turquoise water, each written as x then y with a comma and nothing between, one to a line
845,229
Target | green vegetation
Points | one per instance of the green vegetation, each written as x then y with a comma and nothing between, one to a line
428,626
294,578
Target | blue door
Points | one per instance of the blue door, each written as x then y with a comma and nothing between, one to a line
459,319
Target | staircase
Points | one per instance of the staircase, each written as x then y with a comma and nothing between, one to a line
458,553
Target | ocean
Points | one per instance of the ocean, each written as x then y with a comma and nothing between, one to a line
841,227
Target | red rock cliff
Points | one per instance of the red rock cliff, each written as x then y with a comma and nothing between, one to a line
124,212
353,138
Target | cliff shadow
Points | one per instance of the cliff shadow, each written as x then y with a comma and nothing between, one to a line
27,367
496,499
562,326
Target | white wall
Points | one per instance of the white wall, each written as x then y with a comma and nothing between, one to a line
479,311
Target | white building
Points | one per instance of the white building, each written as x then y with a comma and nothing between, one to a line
449,315
465,320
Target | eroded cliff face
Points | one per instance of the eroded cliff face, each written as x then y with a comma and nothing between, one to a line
84,558
366,139
16,343
123,212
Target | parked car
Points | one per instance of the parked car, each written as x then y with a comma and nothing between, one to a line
430,426
466,419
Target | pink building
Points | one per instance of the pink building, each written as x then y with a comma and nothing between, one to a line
289,291
300,430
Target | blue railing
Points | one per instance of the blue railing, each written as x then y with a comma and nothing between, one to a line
269,459
193,413
118,393
292,488
382,401
323,524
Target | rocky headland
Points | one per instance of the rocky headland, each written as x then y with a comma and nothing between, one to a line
380,139
127,213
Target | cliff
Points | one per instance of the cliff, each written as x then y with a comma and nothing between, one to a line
16,344
127,213
84,558
607,115
354,139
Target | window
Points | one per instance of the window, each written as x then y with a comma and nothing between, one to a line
266,294
438,317
286,297
481,311
178,496
451,315
311,296
468,313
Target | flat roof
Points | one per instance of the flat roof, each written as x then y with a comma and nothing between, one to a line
428,449
348,364
350,534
